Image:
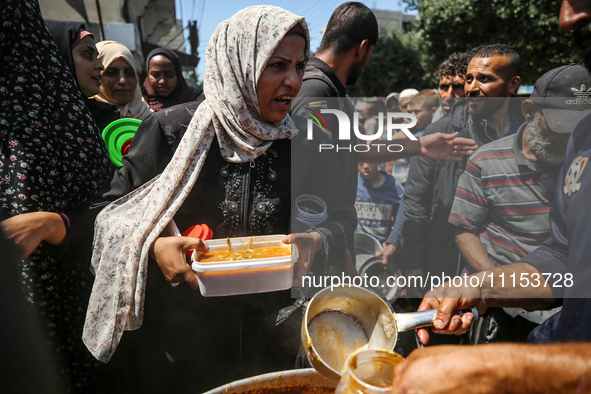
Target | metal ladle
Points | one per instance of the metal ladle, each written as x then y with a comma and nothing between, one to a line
340,320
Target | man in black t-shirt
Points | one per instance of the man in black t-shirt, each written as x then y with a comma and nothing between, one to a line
346,47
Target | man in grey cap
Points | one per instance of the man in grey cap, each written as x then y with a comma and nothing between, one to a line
502,203
564,97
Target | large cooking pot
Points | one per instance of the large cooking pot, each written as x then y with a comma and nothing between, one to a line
293,381
342,319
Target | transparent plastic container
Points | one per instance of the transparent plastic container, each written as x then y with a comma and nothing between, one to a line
368,371
311,210
257,275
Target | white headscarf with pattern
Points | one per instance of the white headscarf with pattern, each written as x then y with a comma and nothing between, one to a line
237,53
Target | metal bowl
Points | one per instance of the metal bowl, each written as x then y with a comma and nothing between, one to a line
366,247
294,381
387,277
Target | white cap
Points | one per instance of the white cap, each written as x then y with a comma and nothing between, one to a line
408,93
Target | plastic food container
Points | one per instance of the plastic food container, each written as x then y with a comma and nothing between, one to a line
251,275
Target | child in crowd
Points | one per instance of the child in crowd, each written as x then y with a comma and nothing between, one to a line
379,197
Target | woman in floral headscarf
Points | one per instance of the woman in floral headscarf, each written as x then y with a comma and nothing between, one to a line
232,171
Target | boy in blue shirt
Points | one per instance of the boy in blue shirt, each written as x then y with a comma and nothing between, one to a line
379,197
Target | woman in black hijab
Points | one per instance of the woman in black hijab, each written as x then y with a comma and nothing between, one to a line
165,85
76,45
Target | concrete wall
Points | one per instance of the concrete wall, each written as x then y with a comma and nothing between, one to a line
61,10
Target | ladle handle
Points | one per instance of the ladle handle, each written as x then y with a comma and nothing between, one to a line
410,321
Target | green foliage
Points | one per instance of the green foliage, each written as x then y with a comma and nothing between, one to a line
531,26
397,63
195,77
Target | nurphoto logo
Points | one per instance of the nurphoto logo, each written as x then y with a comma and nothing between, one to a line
394,121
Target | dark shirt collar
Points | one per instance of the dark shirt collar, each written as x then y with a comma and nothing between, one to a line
513,127
325,68
515,123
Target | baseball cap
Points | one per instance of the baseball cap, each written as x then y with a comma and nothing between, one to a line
564,96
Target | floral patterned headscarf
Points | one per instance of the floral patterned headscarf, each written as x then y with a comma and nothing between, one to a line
236,55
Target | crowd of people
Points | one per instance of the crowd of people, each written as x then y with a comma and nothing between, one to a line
479,183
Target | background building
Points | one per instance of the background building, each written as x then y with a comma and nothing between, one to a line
141,25
393,21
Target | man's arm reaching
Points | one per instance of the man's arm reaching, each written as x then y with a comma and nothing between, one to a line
436,146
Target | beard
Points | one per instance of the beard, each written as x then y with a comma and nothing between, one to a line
357,69
551,152
354,73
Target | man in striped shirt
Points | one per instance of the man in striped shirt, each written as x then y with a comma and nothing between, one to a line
502,203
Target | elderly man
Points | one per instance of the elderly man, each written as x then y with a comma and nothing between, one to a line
503,198
561,264
502,204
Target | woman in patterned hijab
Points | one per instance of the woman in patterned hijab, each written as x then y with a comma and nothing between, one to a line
119,82
254,69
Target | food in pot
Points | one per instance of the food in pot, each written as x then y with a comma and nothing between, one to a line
243,254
